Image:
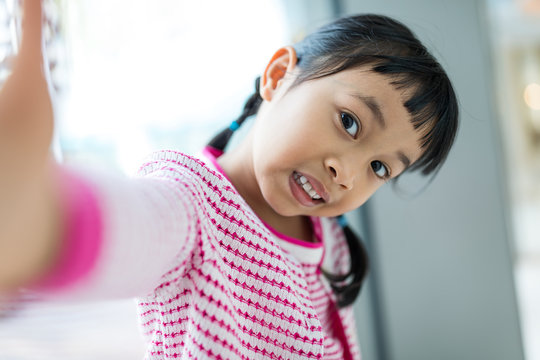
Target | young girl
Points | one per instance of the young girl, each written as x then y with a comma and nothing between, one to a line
238,255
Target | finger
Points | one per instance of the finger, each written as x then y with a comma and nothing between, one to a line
31,26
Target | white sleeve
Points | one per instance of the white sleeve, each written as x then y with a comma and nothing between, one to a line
143,228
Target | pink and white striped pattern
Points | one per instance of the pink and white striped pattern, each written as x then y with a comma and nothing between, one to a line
239,295
212,280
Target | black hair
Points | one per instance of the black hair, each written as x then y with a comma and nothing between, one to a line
389,48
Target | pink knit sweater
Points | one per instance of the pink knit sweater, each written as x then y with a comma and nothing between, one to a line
212,280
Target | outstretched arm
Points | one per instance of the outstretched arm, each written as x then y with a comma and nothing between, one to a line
29,205
66,230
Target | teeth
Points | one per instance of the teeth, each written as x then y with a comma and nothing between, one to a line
303,181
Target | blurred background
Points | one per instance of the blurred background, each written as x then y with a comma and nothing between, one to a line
455,270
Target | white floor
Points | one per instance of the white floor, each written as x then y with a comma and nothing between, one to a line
105,331
527,276
528,288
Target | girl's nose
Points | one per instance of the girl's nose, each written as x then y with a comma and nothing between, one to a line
340,174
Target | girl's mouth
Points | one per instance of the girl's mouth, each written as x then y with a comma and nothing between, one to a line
306,185
304,191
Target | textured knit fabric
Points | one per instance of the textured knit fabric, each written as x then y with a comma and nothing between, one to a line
212,280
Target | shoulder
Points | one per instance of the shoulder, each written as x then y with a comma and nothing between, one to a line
332,232
188,172
176,165
165,162
336,249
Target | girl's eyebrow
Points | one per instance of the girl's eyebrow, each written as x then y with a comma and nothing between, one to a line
404,159
373,106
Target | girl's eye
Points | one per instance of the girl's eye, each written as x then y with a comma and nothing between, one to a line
350,124
380,169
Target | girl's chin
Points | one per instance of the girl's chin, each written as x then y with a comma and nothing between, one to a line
285,208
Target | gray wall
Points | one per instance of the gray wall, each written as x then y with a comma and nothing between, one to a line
442,285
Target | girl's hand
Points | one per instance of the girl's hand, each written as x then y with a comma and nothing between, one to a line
25,105
29,211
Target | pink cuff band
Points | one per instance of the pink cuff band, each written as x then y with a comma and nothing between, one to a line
83,230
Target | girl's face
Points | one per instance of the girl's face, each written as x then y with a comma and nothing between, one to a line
323,147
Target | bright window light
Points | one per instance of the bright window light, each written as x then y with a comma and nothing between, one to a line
532,96
145,75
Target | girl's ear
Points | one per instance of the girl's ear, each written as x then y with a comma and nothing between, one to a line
283,62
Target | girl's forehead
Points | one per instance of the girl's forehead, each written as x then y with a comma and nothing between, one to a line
363,78
370,89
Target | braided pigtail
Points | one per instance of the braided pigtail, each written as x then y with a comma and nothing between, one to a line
347,287
251,107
